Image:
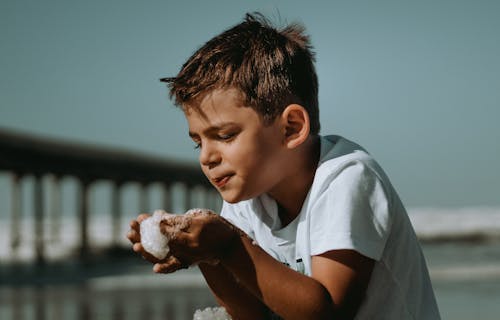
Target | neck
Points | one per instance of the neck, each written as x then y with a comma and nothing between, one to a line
292,191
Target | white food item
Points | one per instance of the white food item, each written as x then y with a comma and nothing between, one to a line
215,313
152,240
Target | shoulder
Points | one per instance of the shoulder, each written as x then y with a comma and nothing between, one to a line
350,204
344,163
338,153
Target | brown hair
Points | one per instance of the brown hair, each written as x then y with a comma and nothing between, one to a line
272,68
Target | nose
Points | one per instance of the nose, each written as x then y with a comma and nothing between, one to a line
209,155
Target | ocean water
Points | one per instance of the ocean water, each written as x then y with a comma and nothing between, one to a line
462,248
466,278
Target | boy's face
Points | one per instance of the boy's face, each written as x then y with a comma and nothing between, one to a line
239,154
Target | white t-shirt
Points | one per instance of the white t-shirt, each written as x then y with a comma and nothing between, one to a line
351,205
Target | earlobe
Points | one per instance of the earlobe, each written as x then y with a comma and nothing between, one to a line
296,125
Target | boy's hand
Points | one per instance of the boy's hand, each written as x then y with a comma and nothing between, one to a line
206,237
134,235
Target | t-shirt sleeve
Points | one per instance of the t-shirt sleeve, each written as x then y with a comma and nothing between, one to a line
352,213
236,216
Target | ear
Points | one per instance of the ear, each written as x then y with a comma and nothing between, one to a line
295,120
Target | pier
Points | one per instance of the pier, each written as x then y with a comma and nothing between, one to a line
64,214
47,163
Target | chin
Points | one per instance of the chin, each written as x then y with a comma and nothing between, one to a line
232,197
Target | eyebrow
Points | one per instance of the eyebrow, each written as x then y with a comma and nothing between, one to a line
213,128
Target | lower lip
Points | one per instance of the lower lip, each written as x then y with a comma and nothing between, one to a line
221,183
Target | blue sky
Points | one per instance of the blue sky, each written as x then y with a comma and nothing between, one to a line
416,82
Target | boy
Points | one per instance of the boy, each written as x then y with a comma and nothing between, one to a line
311,227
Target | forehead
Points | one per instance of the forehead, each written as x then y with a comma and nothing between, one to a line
219,105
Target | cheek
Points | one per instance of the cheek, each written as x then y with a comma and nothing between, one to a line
252,160
240,158
253,152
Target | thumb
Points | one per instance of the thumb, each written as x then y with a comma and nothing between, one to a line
170,265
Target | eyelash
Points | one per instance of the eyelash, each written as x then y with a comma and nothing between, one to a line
225,137
221,137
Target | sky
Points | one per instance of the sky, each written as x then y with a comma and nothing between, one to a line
417,83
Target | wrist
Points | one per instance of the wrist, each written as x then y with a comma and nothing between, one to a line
235,251
231,243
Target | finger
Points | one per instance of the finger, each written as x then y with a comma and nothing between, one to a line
172,220
186,250
181,241
142,217
134,236
137,247
134,224
174,225
172,264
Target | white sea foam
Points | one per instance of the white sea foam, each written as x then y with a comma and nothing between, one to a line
152,239
456,223
215,313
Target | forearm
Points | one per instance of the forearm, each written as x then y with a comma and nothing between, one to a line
237,300
288,293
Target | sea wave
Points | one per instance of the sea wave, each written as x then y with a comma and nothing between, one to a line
466,223
465,272
430,224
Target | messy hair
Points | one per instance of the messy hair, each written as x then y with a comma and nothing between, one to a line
271,67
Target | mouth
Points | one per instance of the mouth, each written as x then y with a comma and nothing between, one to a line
221,181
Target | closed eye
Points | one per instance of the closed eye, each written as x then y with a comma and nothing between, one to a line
225,137
225,133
